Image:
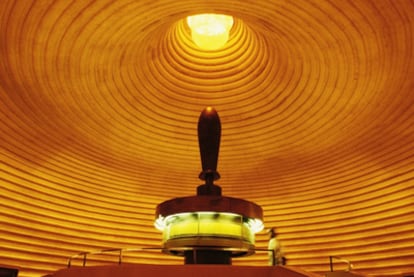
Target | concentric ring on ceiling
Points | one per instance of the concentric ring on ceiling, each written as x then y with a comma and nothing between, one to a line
99,102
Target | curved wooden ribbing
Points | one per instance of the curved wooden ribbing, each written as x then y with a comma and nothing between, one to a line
98,111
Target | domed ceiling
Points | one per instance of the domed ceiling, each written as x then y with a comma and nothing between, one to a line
99,103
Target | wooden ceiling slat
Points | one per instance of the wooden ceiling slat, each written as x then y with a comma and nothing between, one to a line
99,102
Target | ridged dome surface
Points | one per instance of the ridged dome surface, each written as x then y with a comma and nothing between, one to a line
99,103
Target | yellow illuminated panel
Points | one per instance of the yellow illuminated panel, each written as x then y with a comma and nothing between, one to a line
210,31
207,224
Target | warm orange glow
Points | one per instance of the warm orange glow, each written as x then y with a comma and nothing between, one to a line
98,109
210,31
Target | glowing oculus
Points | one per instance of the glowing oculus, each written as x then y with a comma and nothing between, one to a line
210,31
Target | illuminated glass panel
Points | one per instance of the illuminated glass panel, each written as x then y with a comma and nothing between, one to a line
209,224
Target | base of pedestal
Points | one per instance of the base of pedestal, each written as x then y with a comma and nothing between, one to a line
207,257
